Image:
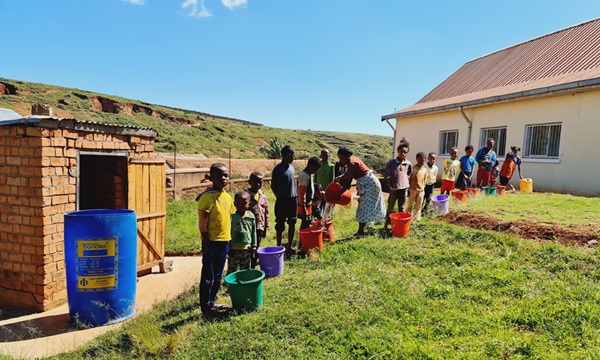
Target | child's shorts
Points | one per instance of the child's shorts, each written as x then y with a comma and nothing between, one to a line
447,185
504,180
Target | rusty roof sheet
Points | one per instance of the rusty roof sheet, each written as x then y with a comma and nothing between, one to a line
569,57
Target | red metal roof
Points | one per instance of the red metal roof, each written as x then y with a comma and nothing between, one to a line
569,56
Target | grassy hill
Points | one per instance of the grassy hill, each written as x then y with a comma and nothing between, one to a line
193,132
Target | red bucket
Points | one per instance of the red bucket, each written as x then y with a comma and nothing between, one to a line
400,223
460,195
473,192
311,238
500,189
332,192
328,233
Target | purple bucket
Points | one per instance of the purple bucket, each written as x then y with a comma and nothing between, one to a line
440,203
271,260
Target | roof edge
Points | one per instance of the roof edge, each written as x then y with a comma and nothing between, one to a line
539,92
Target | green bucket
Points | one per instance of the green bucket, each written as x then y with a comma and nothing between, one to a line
489,190
246,289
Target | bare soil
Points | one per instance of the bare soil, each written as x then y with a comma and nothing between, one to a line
575,235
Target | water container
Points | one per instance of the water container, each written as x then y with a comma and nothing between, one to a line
100,263
400,222
246,289
271,260
440,203
526,185
311,238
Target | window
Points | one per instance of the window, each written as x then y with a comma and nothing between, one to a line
542,140
499,135
448,140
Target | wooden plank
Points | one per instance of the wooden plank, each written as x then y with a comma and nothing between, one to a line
149,265
147,161
152,215
149,245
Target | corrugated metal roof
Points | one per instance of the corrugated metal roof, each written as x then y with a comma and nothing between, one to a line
568,56
7,114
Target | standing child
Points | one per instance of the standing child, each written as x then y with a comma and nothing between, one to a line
398,170
467,163
306,191
259,205
325,175
494,174
284,187
215,207
416,191
507,171
432,171
517,160
243,234
451,168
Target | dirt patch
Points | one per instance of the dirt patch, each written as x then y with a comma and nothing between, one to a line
582,235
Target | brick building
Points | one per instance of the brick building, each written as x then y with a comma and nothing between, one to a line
49,166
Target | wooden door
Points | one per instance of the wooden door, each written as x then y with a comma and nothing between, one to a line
147,196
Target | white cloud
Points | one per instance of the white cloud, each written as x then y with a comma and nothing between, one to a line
232,4
135,2
195,9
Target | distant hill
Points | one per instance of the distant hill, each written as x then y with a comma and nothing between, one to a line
192,132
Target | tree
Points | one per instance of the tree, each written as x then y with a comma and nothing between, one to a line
273,150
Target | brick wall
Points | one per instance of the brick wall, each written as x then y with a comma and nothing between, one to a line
37,186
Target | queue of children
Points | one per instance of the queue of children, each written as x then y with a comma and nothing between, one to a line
232,228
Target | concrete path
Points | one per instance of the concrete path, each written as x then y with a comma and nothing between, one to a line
48,333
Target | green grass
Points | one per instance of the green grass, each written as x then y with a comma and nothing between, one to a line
444,292
551,208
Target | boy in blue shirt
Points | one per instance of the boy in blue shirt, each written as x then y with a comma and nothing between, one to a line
467,163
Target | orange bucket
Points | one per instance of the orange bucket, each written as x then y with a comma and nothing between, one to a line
328,233
332,193
400,223
311,238
473,192
500,189
460,195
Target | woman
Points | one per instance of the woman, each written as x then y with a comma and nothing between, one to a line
371,205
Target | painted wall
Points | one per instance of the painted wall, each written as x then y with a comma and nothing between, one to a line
577,169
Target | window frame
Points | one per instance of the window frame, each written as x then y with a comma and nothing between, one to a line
445,133
497,142
528,139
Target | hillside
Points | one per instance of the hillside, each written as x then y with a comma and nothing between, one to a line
192,132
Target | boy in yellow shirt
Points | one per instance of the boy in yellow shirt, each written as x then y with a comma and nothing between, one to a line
215,207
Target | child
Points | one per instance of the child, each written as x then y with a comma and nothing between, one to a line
507,171
318,199
243,234
398,170
306,191
432,171
517,160
285,190
451,168
494,173
416,190
259,205
215,207
467,163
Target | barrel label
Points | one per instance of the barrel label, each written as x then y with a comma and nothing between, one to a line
96,264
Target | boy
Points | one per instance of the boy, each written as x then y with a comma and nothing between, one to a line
284,187
398,170
306,191
324,176
259,205
486,158
467,163
507,171
416,191
215,207
243,234
432,171
494,173
451,168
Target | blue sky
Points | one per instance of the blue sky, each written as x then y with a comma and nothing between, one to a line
333,65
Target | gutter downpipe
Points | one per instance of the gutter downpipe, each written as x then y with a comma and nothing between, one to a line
460,108
394,137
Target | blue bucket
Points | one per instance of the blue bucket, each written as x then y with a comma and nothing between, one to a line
101,266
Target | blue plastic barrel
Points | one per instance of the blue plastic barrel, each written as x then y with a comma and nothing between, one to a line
100,263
